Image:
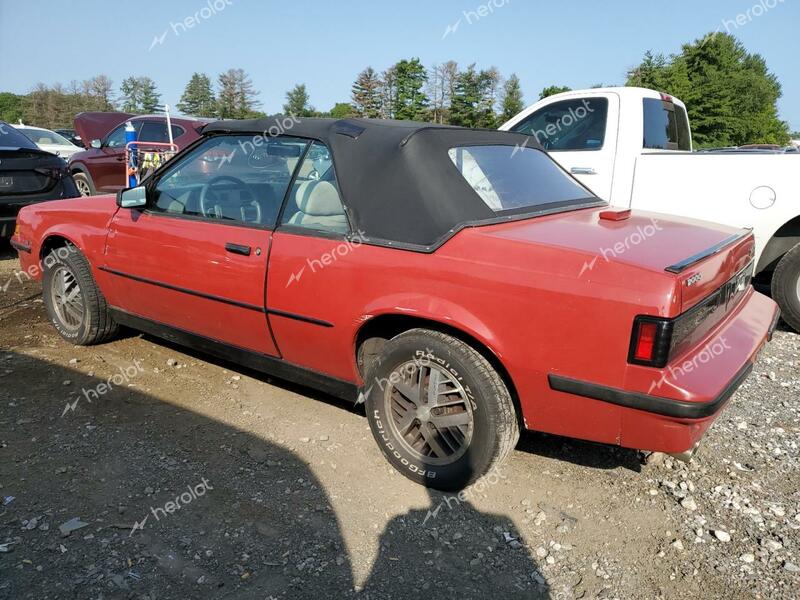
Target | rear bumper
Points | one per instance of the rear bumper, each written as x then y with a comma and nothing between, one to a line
669,410
657,405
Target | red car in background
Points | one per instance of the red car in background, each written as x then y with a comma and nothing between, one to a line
458,282
101,167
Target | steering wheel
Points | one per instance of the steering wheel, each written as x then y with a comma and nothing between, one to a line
212,207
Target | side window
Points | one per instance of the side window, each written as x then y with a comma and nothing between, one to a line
314,202
568,125
116,139
231,179
156,131
666,126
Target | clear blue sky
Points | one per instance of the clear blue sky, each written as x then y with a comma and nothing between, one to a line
325,44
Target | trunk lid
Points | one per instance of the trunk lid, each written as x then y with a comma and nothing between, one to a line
28,171
702,256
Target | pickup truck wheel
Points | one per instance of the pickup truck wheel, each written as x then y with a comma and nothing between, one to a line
786,287
438,410
83,184
75,305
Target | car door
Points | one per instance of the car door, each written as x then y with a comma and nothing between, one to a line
107,166
312,247
580,134
195,258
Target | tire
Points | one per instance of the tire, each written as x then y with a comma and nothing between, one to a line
786,287
83,319
83,184
446,447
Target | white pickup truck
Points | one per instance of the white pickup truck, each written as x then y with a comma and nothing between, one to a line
633,148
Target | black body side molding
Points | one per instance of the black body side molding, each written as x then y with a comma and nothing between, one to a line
270,365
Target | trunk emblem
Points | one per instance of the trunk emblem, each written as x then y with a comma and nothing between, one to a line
694,279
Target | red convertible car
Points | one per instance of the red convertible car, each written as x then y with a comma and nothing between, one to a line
457,281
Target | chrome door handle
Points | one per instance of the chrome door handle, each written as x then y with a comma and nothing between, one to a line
583,171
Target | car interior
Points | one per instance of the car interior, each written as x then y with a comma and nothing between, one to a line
228,181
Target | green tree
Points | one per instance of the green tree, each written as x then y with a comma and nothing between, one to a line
150,95
297,102
198,97
237,98
409,100
10,107
730,94
512,99
366,94
342,110
130,95
474,97
552,90
138,95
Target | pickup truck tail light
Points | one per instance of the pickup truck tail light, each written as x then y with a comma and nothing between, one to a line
651,341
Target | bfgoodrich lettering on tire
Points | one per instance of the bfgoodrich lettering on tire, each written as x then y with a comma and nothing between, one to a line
74,303
786,287
438,410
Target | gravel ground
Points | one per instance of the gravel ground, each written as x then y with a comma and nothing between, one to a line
188,477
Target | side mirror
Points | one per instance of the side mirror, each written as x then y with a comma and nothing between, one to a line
132,197
96,144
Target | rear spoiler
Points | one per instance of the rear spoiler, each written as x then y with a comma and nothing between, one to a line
681,266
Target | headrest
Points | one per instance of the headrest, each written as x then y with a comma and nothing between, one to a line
319,199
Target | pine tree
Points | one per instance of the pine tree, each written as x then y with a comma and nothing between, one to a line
512,99
198,98
410,101
150,95
366,94
130,95
297,102
474,97
237,98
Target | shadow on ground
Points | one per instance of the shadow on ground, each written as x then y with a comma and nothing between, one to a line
223,513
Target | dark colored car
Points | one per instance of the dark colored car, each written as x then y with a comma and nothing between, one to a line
28,175
457,281
71,135
101,167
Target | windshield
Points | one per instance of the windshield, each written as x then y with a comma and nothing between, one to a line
44,136
11,138
514,179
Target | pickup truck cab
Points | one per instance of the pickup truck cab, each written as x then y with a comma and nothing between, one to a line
633,147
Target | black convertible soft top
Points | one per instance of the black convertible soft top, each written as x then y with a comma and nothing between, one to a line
396,180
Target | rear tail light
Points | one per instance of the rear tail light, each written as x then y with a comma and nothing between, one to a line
650,342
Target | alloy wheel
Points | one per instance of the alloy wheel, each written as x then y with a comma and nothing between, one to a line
430,412
67,299
83,187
